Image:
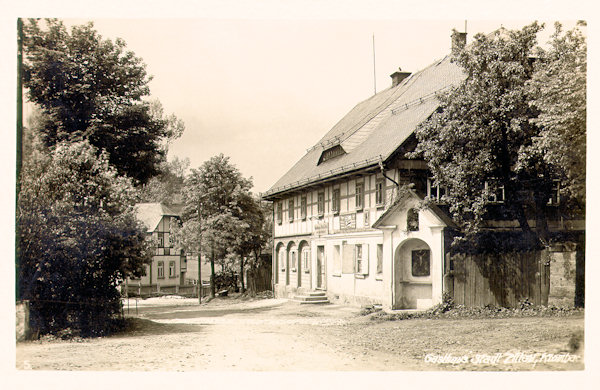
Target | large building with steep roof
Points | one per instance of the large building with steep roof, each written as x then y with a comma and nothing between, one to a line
345,225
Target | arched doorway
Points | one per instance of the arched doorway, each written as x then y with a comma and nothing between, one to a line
412,275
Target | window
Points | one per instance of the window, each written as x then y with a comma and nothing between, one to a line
161,239
321,203
379,258
412,220
293,255
306,260
279,213
420,262
361,256
282,259
291,210
434,191
494,196
161,269
335,201
360,195
172,269
554,199
379,192
330,153
303,207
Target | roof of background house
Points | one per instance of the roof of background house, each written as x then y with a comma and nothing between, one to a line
374,128
150,214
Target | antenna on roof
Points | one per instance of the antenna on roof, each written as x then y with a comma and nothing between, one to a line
374,75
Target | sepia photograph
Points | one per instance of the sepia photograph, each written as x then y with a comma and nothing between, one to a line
330,191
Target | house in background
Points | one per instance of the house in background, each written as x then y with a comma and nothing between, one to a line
167,271
344,226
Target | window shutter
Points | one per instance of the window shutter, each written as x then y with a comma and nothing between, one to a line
365,259
348,259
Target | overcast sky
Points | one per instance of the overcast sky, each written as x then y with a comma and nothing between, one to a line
264,91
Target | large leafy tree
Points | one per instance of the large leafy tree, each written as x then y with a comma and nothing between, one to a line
558,88
78,239
167,186
91,88
479,142
215,196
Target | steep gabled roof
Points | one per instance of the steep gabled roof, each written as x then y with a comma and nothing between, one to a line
374,128
150,214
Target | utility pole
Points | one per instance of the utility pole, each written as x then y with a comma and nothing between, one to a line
199,254
19,150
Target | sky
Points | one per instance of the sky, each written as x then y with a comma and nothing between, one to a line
263,91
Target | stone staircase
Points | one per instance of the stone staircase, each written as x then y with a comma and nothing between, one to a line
312,297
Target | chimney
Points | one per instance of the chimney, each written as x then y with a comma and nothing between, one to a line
459,41
398,76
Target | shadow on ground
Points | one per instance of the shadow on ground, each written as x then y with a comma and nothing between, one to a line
136,327
179,313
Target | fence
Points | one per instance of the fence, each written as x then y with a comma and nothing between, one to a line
144,291
502,279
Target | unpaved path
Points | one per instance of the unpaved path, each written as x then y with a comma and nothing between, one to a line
274,335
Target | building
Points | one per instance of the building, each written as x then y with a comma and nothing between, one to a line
344,224
168,269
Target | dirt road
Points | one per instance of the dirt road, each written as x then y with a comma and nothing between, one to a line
274,335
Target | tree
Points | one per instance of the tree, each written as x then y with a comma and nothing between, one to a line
78,239
91,89
212,217
479,141
167,186
559,92
254,235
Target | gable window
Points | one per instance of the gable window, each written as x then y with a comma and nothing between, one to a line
321,203
172,269
279,213
161,239
291,210
496,196
412,220
335,201
360,195
421,262
160,269
330,153
379,192
303,207
435,191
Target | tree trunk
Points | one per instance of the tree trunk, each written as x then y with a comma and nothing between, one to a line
243,287
212,273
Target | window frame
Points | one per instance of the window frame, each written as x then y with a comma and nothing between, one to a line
291,210
380,192
160,270
335,200
493,197
303,207
440,191
321,203
279,212
359,195
172,267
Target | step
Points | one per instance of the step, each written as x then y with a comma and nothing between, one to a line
322,301
311,298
